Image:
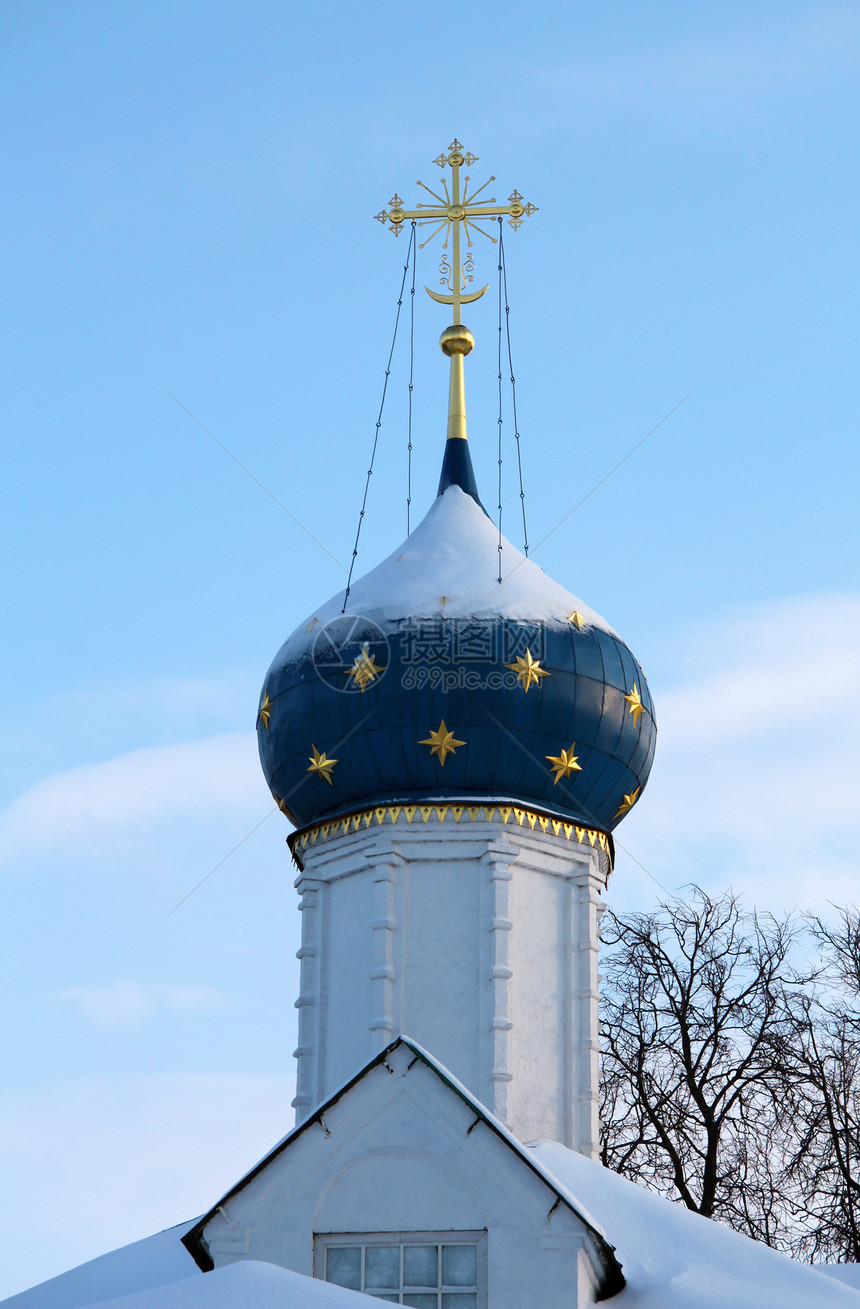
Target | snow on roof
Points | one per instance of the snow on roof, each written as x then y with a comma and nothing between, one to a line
847,1273
454,553
671,1258
152,1262
240,1285
675,1259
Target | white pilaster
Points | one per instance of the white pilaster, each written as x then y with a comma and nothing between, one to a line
308,1002
586,1068
384,860
496,1023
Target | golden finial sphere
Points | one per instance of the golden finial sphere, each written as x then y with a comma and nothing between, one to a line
396,215
456,340
455,159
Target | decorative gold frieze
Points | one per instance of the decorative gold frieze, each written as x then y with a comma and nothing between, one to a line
382,815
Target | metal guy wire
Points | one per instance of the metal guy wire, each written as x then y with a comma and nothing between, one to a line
503,277
409,254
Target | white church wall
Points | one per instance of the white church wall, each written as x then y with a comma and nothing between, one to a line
555,905
439,913
400,1152
346,964
482,946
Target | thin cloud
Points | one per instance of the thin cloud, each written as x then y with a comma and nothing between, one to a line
758,670
128,793
101,720
124,1002
126,1156
756,773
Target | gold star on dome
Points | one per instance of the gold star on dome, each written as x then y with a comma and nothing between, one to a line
564,764
628,802
577,619
321,765
528,670
634,700
364,669
442,742
265,710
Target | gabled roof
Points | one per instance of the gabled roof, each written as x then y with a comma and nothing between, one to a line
613,1276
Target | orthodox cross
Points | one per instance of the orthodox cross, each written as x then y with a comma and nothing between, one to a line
456,212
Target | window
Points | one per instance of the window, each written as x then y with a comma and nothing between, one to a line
427,1270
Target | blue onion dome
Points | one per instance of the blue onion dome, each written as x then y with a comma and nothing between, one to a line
441,684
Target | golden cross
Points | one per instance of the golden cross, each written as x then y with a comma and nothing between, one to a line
456,213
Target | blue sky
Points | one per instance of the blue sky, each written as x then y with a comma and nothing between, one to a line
188,202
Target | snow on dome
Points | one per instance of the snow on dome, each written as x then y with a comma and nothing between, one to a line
450,565
440,683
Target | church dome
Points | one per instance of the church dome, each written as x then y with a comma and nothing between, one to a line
441,684
456,672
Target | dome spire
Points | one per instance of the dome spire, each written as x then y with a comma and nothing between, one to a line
457,213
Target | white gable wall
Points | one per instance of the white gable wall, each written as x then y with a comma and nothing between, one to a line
395,1154
480,941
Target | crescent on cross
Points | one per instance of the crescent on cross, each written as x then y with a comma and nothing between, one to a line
456,213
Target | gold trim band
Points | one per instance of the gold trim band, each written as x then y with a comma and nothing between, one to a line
366,817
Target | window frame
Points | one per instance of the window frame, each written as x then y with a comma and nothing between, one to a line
322,1241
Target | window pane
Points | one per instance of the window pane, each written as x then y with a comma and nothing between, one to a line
460,1301
382,1266
421,1265
421,1301
459,1267
343,1266
382,1295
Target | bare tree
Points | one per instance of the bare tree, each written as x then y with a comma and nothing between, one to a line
825,1164
697,1025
